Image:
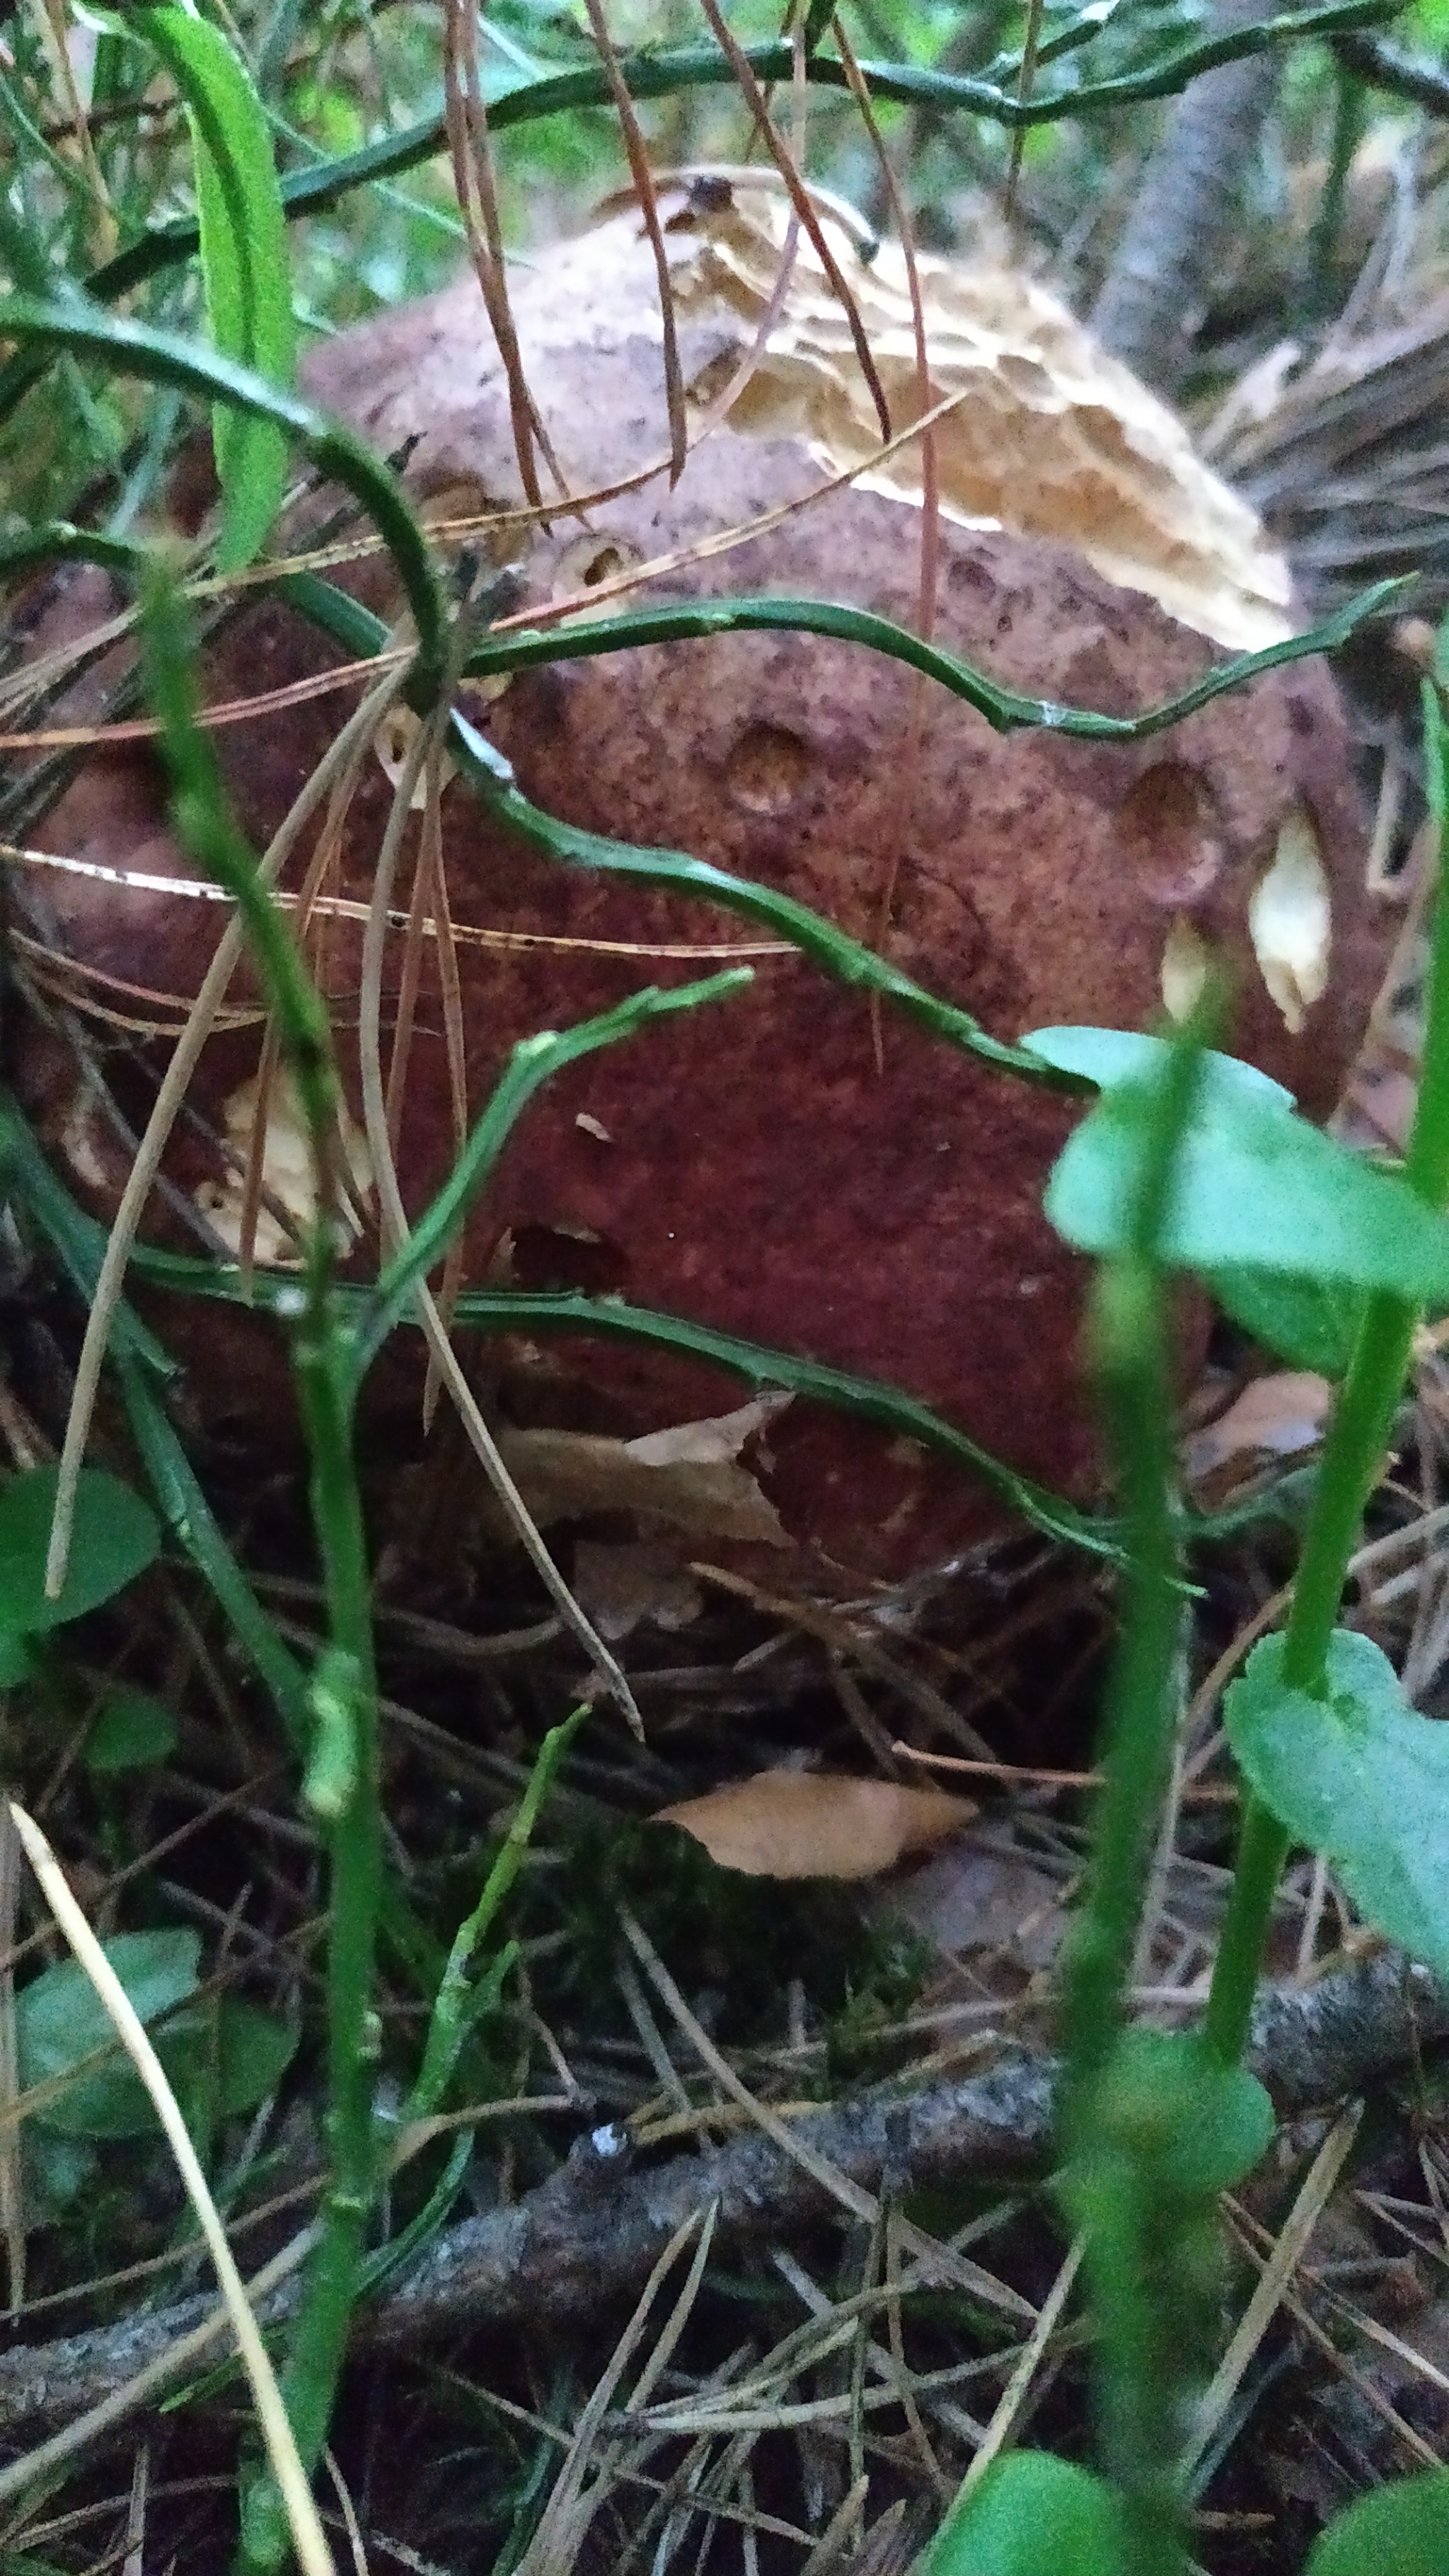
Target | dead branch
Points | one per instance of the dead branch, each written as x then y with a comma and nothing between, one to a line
591,2232
1155,292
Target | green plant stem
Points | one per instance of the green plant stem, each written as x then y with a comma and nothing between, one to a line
1350,111
1133,1368
455,2003
349,623
1353,1457
322,1359
1135,2397
848,960
327,1378
530,1065
1005,710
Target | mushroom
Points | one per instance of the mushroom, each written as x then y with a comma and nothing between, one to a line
784,1167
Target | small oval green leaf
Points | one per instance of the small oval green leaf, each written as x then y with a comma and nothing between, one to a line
1398,2530
1110,1057
130,1731
253,2052
1199,2127
1031,2513
1359,1776
1255,1188
60,2020
115,1537
1310,1323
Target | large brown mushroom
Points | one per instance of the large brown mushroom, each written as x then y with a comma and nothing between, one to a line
757,1166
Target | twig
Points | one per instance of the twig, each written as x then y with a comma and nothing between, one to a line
1411,76
644,189
595,2229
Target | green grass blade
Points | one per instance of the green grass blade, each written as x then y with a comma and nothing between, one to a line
164,357
245,264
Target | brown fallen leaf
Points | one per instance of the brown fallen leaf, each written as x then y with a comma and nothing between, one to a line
985,1900
623,1583
815,1824
688,1476
1275,1416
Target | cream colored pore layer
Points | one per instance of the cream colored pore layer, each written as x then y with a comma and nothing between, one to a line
1052,439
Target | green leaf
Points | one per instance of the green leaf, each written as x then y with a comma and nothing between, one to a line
245,263
1110,1057
1031,2512
1310,1323
253,2052
1255,1187
116,1536
60,2020
57,2170
1398,2530
16,1660
1199,2127
1359,1776
130,1731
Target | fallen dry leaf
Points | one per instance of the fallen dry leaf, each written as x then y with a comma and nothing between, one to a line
1274,1417
624,1582
813,1824
985,1900
688,1476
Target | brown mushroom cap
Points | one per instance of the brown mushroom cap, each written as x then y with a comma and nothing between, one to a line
752,1166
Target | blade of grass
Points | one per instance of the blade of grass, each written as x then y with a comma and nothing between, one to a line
163,357
303,2520
245,261
659,71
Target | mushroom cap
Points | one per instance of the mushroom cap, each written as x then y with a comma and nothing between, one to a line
781,1166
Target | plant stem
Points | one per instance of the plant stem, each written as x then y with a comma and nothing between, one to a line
455,2001
1137,2398
1133,1370
322,1360
1353,1457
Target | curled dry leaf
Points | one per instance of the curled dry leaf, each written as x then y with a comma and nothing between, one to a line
1274,1417
621,1585
815,1824
986,1900
688,1476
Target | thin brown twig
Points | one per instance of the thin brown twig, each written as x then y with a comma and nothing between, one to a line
647,195
395,1232
174,1085
534,619
930,523
827,2175
455,1048
12,2189
466,116
754,98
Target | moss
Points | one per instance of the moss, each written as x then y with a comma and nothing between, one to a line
734,1943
